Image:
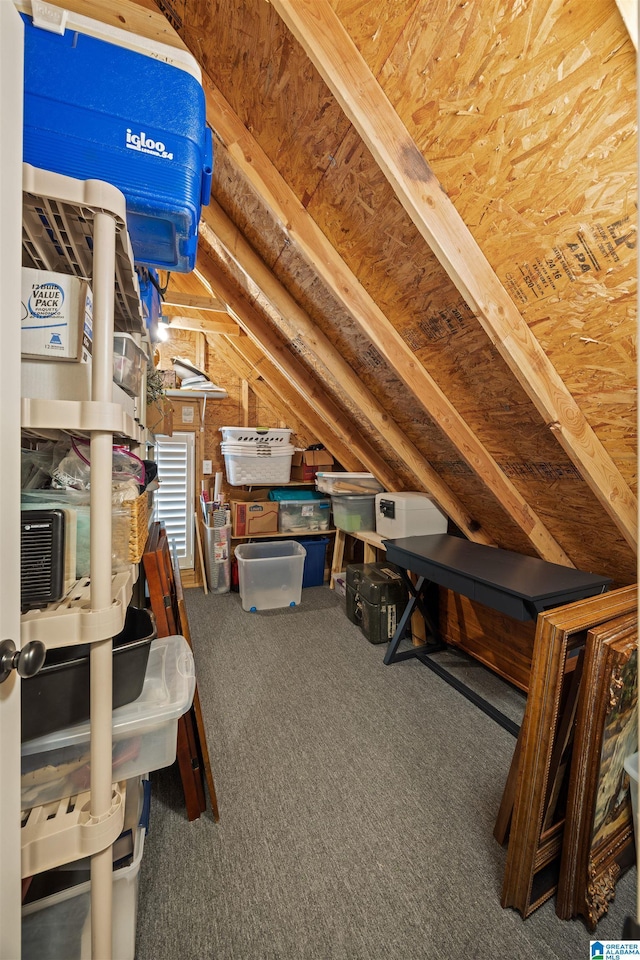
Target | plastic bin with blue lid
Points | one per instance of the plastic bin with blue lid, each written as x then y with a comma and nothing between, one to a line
101,103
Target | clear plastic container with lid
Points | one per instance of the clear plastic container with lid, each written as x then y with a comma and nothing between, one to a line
354,512
340,483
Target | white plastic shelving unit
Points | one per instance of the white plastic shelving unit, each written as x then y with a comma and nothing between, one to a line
79,228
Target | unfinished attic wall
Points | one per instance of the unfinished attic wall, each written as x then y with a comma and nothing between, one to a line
217,413
527,199
543,475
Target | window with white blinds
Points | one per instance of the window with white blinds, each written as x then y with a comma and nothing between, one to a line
174,497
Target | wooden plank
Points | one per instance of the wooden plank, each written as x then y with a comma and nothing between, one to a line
244,401
352,295
202,324
284,405
629,12
189,301
185,631
250,263
320,32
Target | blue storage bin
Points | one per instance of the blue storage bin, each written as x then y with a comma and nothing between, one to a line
131,113
316,547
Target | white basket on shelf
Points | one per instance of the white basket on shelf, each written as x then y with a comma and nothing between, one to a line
256,435
256,463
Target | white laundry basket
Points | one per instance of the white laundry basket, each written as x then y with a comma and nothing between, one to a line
249,462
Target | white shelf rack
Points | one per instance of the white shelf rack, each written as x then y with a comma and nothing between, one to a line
80,417
79,227
57,234
64,830
72,621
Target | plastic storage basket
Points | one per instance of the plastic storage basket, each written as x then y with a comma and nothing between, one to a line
270,574
256,463
354,512
144,731
129,364
60,925
256,435
58,695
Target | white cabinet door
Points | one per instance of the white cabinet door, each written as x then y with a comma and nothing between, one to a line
11,59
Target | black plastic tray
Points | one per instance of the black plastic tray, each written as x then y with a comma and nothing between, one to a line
58,696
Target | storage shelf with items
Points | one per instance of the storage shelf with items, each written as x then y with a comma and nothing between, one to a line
78,228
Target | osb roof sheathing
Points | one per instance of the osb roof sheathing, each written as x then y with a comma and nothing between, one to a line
526,115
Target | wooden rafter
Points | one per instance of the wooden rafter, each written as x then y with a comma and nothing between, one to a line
190,301
229,328
266,381
339,62
285,407
227,234
327,262
254,324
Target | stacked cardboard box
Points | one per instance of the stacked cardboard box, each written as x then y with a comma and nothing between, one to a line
306,463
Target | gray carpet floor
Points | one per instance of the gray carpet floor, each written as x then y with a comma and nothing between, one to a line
357,806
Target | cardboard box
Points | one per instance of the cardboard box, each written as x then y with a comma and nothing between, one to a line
306,463
57,315
169,379
253,517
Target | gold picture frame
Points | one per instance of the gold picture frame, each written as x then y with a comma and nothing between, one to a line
532,869
598,844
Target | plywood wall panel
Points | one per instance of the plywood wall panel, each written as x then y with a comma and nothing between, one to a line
527,115
523,111
247,38
460,356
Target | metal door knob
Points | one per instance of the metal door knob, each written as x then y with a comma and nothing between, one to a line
26,661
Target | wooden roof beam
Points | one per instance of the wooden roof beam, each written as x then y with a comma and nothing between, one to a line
238,249
326,261
199,324
254,324
264,376
285,407
190,301
335,56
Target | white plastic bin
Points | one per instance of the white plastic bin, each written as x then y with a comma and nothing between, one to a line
270,574
354,512
270,435
144,731
60,925
303,516
247,462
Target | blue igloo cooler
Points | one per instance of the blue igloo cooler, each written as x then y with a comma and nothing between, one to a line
101,103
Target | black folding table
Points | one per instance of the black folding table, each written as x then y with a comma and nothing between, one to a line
514,584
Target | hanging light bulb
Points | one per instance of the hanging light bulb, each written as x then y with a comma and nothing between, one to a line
163,328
